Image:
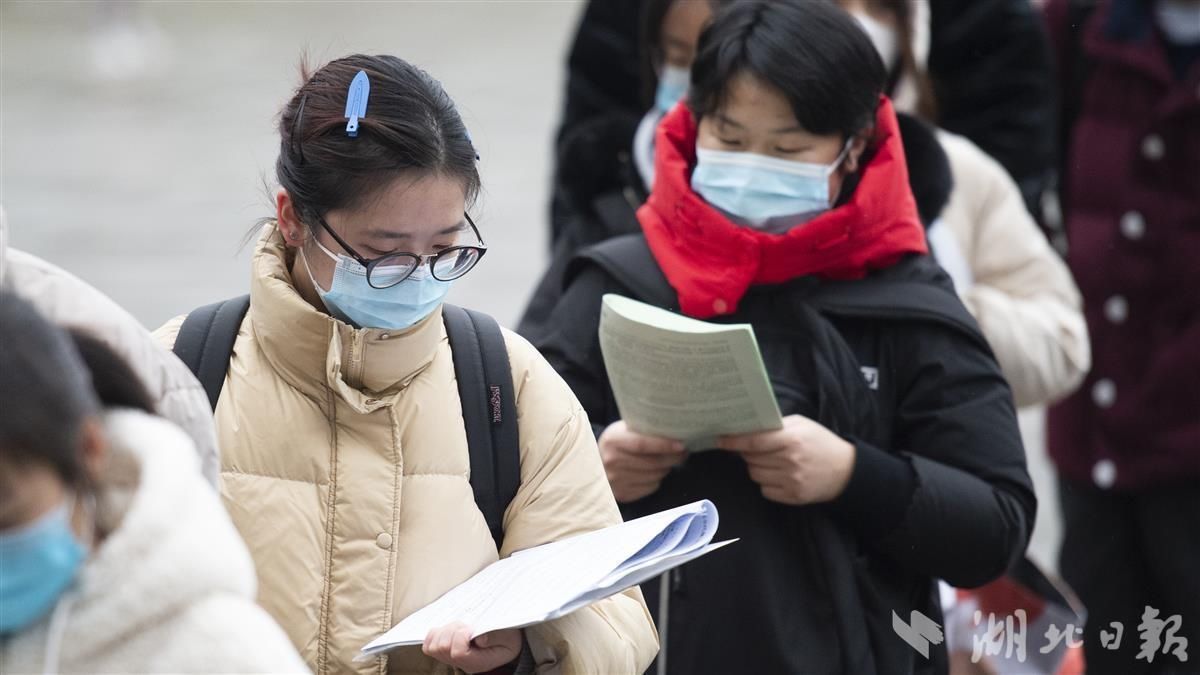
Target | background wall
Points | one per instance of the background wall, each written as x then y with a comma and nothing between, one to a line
135,138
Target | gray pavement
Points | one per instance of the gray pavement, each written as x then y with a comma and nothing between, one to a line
136,140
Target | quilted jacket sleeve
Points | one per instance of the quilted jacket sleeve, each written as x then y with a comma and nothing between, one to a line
564,492
1023,295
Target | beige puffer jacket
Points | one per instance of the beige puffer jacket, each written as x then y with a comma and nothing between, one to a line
345,468
1021,293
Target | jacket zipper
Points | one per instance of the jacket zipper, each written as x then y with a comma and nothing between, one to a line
664,618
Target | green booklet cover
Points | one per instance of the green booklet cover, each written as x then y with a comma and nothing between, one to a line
681,378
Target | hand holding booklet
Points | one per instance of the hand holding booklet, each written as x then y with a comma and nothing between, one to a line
555,579
682,378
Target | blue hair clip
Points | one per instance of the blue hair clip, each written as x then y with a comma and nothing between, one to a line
356,102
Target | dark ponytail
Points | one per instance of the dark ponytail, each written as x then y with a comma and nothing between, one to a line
411,127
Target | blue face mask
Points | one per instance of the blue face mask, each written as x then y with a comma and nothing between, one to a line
38,562
353,300
764,192
673,85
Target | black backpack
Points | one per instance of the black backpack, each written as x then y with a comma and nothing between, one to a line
485,387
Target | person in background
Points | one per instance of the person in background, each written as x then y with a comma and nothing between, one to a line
988,62
346,464
1127,444
115,554
69,301
781,173
1008,276
606,161
1014,284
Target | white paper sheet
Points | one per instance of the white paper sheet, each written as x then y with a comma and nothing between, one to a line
549,581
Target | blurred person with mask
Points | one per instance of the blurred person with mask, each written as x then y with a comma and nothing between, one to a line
779,187
115,554
1127,444
1013,283
72,302
347,464
606,161
988,61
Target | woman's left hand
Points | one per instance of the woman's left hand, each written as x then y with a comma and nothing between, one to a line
802,463
453,646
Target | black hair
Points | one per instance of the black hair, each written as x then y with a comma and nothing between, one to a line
411,126
650,51
812,52
115,383
46,393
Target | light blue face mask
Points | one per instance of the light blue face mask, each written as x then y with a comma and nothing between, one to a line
764,192
353,300
38,562
673,83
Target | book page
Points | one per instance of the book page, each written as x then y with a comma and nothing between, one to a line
684,379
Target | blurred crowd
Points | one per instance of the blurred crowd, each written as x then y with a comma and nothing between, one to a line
932,213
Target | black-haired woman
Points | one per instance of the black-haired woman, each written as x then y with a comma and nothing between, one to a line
115,554
345,459
781,199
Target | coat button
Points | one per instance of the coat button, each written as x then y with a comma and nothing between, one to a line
1116,309
719,306
1133,225
384,541
1104,473
1153,147
1104,393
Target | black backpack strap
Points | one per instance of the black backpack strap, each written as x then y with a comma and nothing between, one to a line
489,406
628,259
205,342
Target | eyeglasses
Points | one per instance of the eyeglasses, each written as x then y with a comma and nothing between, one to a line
388,270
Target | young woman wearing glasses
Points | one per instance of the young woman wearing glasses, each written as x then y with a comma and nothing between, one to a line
345,459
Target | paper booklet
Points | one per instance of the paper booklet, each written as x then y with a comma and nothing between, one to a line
684,379
555,579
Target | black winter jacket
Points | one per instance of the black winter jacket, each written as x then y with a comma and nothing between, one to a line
939,489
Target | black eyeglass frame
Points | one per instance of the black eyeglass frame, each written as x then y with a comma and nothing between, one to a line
371,264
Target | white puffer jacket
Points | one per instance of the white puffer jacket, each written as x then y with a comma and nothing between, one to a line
1020,291
69,301
170,589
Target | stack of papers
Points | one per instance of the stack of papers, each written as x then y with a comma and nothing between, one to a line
553,580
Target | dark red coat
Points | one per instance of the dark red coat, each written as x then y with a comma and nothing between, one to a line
1131,199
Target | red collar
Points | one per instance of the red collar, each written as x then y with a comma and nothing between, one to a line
712,262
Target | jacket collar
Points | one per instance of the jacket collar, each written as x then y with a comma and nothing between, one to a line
316,353
711,262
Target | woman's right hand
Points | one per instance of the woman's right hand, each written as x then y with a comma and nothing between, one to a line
636,463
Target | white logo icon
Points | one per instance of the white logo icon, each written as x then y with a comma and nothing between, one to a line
872,375
920,632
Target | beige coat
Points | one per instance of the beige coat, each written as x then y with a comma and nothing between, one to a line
1022,293
345,468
